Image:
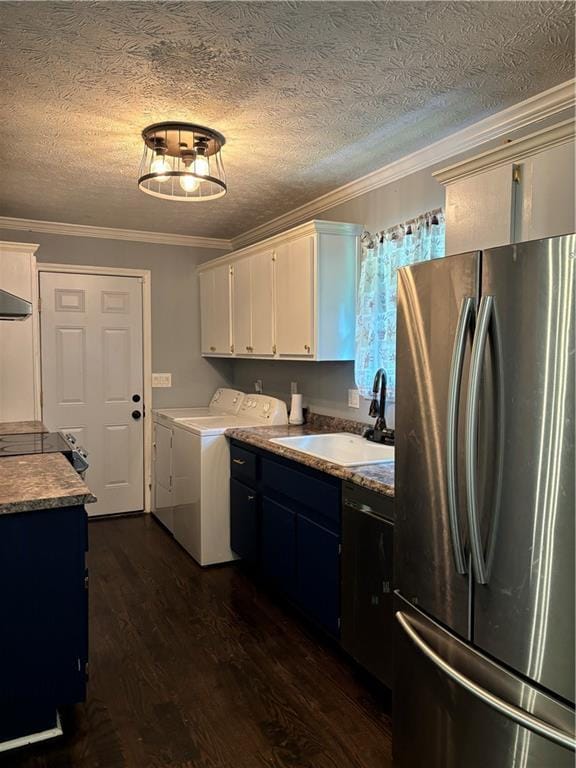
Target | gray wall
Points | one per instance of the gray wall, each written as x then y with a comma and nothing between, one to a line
325,385
175,305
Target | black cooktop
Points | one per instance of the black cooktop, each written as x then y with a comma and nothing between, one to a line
45,442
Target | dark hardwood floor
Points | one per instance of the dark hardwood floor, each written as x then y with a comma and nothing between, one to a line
193,668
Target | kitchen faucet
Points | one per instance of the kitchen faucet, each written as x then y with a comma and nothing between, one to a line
380,432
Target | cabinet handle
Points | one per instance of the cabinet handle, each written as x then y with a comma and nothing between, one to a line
238,461
307,347
250,498
212,349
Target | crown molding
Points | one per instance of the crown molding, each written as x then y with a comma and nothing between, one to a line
308,228
511,152
533,110
111,233
6,246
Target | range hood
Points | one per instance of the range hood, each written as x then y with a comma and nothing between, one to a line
13,307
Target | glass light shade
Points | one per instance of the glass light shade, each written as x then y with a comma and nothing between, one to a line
182,161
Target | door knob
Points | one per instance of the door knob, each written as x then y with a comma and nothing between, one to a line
136,415
135,398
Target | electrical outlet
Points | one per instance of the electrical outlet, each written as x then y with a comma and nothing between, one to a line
293,387
161,379
353,398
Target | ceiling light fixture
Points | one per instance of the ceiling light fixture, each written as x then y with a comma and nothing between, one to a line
182,161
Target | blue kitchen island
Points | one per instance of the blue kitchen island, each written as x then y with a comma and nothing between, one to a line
43,595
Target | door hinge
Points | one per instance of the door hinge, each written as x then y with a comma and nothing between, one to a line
231,270
274,256
516,177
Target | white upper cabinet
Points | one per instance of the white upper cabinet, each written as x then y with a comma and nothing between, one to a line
523,190
215,311
19,340
293,296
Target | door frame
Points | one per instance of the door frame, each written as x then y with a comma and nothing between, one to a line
145,276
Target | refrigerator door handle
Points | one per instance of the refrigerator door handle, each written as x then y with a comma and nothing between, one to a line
519,716
456,365
478,347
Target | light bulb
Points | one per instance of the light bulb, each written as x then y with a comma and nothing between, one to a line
160,165
201,166
188,182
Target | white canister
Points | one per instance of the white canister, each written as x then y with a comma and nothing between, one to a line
296,416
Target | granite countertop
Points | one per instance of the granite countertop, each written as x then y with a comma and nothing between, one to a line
376,477
40,481
21,428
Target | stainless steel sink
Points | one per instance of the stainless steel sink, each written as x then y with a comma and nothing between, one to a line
341,448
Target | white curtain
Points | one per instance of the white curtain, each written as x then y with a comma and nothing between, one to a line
420,239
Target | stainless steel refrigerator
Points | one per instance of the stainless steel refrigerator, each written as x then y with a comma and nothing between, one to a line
485,509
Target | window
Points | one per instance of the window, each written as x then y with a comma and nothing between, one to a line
421,239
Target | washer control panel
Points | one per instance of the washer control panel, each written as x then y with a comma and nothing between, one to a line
268,410
226,400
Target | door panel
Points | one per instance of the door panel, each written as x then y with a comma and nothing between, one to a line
242,306
244,522
279,545
262,295
221,310
479,210
295,297
318,573
430,297
524,615
439,723
91,330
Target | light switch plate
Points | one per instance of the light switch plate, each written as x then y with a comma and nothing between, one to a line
161,379
353,398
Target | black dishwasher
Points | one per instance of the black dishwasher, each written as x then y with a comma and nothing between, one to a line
367,547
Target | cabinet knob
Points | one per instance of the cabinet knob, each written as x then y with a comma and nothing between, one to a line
212,349
307,347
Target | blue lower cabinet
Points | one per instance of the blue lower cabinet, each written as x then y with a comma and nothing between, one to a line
244,522
318,573
278,556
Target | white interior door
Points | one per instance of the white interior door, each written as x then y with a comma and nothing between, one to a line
92,379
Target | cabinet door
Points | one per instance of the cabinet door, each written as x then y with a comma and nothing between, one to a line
244,524
295,298
318,573
479,211
206,280
547,205
215,315
278,555
242,306
221,316
262,295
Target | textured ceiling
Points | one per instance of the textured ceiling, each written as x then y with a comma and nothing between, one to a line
310,95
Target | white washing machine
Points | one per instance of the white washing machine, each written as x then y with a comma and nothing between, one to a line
224,402
201,476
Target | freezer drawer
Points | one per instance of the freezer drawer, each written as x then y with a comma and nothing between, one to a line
440,722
